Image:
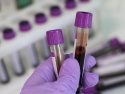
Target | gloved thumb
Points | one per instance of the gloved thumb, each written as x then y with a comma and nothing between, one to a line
69,75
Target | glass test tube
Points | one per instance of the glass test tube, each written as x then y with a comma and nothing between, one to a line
4,77
9,34
71,5
83,22
25,26
55,41
112,59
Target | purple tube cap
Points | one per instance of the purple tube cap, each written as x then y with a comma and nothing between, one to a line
55,11
40,18
70,4
115,42
8,34
24,26
83,19
84,1
54,37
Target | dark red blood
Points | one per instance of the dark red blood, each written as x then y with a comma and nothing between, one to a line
80,56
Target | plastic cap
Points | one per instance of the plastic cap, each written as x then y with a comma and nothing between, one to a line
114,42
24,26
70,4
83,19
55,37
40,18
55,11
8,33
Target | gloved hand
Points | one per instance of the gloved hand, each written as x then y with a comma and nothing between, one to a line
43,79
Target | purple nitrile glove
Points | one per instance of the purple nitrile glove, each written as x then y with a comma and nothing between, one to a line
43,79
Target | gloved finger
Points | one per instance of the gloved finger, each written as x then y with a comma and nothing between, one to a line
68,76
90,79
43,73
89,61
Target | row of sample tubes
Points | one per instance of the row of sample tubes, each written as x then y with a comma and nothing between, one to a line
11,6
110,65
25,26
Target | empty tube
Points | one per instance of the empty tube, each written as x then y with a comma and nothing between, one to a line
83,22
25,26
113,58
9,34
40,18
56,41
4,77
70,5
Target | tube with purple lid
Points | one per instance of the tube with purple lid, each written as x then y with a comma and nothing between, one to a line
70,5
25,26
4,77
40,18
55,11
113,58
9,34
111,47
55,41
83,23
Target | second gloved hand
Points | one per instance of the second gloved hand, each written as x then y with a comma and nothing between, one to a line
43,80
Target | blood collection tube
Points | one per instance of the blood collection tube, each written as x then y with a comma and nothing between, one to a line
111,83
40,18
25,26
55,11
4,77
71,5
9,34
110,47
113,58
83,22
55,41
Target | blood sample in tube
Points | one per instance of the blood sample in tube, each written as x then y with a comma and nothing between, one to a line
83,23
